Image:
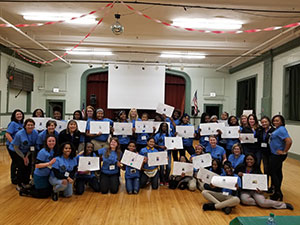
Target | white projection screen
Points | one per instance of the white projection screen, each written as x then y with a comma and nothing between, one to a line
135,86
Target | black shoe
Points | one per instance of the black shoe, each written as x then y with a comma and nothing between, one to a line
270,190
276,197
14,181
208,206
227,210
24,192
289,206
54,196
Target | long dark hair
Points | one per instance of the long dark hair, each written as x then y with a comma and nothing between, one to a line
61,149
13,116
118,149
34,112
230,124
160,131
85,147
45,143
219,168
256,125
203,115
77,111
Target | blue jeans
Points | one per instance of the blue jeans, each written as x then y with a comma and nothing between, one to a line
164,170
58,186
133,184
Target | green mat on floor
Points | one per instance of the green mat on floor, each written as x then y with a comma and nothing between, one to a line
262,220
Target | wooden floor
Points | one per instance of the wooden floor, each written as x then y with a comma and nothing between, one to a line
163,206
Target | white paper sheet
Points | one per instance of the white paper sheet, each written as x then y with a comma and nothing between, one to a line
223,121
255,181
81,124
185,131
211,128
40,122
99,126
227,182
205,175
165,109
203,160
122,128
247,112
230,132
132,159
87,163
182,167
247,138
173,142
158,158
61,125
144,127
157,124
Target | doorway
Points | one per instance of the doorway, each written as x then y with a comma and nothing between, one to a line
55,105
213,109
246,95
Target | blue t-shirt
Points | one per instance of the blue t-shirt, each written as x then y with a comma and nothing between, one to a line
42,137
91,174
277,139
231,142
160,139
217,152
172,128
131,172
102,137
12,128
109,165
142,138
64,165
24,141
144,152
187,141
236,161
44,156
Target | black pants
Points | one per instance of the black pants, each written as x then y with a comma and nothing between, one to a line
153,180
13,166
23,174
266,163
175,154
109,182
80,183
276,162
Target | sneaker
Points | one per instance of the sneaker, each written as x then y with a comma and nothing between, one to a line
129,192
18,188
161,183
167,184
289,206
227,210
54,196
208,206
135,192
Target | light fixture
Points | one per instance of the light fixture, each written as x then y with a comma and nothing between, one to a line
35,16
86,52
117,28
183,56
210,24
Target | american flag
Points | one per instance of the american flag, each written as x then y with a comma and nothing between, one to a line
83,110
195,101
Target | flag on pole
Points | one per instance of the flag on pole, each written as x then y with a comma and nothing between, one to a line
83,110
195,102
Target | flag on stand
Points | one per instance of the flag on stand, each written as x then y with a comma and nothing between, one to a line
195,102
83,111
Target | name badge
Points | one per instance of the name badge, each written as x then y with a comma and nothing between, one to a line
206,139
144,138
133,171
264,145
225,193
112,167
67,174
32,148
124,136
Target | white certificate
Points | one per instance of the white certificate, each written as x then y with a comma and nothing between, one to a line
247,138
247,112
122,128
185,131
40,122
143,127
182,167
211,128
81,124
173,142
61,125
165,109
227,182
157,125
132,159
223,121
88,163
230,132
99,126
205,175
255,181
203,160
158,158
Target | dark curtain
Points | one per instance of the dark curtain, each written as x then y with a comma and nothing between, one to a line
294,93
246,95
175,92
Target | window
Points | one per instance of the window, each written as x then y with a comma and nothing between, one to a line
246,95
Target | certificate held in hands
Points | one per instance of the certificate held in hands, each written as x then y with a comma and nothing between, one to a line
81,124
205,175
40,122
202,161
182,167
132,159
185,131
157,158
255,181
122,128
144,127
164,109
61,125
99,126
88,163
227,182
173,142
211,128
230,132
247,138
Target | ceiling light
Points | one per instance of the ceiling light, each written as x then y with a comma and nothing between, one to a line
117,28
88,53
90,19
211,24
182,56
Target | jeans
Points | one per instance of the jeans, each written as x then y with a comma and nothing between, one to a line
133,184
59,186
164,170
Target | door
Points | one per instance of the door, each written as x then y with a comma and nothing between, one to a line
246,96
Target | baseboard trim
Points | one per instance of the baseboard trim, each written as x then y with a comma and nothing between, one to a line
294,156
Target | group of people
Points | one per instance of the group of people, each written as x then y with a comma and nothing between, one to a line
45,162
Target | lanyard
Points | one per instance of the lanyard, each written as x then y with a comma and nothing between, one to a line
29,139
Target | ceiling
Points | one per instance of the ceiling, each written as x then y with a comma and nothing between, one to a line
143,39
